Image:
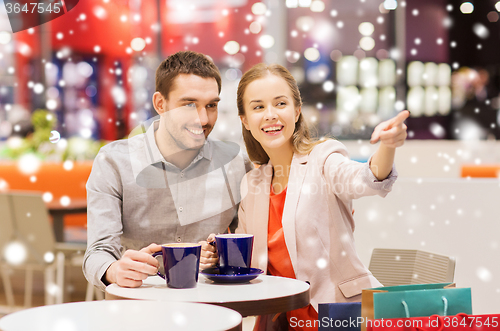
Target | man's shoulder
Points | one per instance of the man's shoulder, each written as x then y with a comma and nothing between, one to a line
124,146
224,148
224,152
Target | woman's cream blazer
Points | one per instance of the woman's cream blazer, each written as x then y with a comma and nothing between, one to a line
317,219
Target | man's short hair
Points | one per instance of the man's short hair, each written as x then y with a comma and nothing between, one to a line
185,62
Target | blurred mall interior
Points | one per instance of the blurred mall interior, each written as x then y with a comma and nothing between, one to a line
357,63
72,82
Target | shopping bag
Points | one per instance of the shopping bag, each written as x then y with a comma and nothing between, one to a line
460,322
418,300
345,316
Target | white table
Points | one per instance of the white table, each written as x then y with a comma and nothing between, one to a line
123,315
260,296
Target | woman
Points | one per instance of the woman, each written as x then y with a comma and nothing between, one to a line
298,203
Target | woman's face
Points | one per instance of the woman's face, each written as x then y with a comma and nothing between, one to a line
270,114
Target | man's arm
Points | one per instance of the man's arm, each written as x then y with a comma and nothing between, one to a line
103,263
104,223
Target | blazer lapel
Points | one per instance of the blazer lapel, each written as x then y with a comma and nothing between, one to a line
295,181
261,216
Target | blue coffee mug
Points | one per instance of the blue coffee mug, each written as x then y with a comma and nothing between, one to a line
181,262
234,251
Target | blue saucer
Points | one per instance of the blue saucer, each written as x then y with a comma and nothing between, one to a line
235,275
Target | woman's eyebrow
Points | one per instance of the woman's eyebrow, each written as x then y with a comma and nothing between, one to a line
275,98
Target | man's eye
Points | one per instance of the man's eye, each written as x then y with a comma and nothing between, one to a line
213,105
193,105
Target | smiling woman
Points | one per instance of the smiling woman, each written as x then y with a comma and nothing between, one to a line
282,211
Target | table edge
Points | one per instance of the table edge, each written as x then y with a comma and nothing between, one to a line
238,327
252,307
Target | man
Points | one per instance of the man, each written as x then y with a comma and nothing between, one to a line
169,183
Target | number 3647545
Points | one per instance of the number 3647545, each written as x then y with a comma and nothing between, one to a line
33,7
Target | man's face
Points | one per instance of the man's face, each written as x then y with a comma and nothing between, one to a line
191,110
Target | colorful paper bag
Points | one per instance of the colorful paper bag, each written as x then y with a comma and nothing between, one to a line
343,316
406,301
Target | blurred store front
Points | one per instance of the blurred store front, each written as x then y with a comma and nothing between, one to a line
356,63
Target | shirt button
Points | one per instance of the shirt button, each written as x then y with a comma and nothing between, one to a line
179,239
182,174
180,208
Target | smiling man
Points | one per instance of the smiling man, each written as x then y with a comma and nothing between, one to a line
167,183
186,125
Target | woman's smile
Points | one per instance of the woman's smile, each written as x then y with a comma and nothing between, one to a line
272,130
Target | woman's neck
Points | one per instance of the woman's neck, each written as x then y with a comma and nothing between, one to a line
281,159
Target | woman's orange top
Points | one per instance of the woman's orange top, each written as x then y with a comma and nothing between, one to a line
279,263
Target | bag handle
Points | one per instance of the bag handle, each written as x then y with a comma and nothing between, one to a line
407,310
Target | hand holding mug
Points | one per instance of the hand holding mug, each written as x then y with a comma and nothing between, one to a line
133,267
208,258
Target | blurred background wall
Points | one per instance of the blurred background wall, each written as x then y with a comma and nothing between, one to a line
356,63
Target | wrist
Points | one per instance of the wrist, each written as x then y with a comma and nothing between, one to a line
109,275
386,148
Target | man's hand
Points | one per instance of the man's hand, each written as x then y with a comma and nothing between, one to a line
391,133
208,256
134,267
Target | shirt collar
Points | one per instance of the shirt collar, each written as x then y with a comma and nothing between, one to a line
152,151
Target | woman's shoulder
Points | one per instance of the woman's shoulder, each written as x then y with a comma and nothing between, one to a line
327,147
254,177
260,171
